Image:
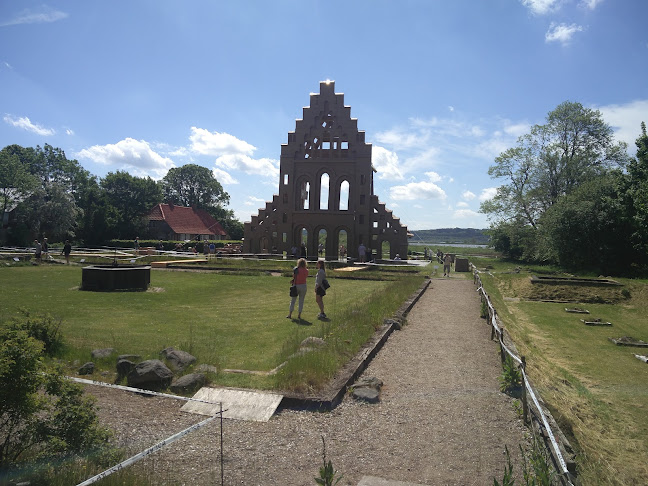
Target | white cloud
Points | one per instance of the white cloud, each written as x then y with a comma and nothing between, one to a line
626,120
422,160
541,7
254,201
488,193
136,155
386,163
433,176
465,214
463,204
417,190
223,177
517,129
451,108
215,143
591,4
400,139
26,124
468,196
44,15
562,33
263,167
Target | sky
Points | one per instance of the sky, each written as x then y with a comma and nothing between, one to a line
440,87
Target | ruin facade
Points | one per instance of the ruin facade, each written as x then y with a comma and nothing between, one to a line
326,190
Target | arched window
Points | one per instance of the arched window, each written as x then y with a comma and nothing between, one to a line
324,191
304,196
344,196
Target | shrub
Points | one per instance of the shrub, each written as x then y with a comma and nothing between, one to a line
44,328
44,416
511,377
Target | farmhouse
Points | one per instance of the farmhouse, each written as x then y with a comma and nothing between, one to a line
171,222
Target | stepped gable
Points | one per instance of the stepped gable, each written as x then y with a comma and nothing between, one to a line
326,190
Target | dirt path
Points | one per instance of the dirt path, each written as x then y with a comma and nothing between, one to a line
441,420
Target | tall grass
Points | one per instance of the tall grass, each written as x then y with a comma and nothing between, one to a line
349,328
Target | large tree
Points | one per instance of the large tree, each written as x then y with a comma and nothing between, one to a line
194,185
574,146
16,182
129,199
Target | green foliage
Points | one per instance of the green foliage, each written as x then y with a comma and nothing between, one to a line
44,416
328,474
44,328
508,479
511,377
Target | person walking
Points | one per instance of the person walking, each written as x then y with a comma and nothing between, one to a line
45,249
447,262
320,291
38,249
67,249
362,252
300,273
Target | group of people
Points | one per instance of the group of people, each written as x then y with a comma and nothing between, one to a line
41,250
300,274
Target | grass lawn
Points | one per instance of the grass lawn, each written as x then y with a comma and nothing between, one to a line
229,321
597,391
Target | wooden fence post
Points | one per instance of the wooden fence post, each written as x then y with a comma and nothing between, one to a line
525,405
501,340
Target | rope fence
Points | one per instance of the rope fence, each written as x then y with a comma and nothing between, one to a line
566,474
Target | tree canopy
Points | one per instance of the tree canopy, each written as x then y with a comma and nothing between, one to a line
194,185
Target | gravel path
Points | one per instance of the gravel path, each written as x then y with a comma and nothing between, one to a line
441,419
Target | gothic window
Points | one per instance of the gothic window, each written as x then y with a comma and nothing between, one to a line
344,196
304,195
324,191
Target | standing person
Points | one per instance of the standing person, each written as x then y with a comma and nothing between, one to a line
160,247
136,245
320,249
303,250
362,252
320,291
447,261
300,273
67,249
45,248
38,249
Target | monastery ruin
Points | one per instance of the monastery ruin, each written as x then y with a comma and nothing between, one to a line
326,190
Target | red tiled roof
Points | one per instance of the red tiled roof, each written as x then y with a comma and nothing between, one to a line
182,219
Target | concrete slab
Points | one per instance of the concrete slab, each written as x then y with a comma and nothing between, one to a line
239,404
373,481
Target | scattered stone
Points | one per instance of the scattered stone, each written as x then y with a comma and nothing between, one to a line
393,322
642,358
577,310
189,383
124,367
178,360
367,390
596,322
369,395
102,353
312,342
206,368
629,341
150,375
87,369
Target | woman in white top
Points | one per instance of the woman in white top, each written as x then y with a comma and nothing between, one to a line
319,289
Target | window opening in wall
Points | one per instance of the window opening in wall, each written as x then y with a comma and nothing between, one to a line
321,242
386,249
344,196
284,218
342,244
335,144
362,198
285,179
326,145
375,224
305,156
305,195
324,191
344,145
284,237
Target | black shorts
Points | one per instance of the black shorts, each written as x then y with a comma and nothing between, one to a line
320,291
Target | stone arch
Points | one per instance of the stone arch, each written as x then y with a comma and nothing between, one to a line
302,233
341,235
321,235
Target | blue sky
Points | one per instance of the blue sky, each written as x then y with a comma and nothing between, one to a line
440,87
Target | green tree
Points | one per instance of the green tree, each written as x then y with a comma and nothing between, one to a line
42,414
575,145
637,195
15,180
194,185
128,201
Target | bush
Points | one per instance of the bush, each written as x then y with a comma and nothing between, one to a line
511,377
44,416
44,328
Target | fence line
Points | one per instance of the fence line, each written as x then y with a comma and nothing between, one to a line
162,443
497,329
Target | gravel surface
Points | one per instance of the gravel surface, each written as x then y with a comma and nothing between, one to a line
441,419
